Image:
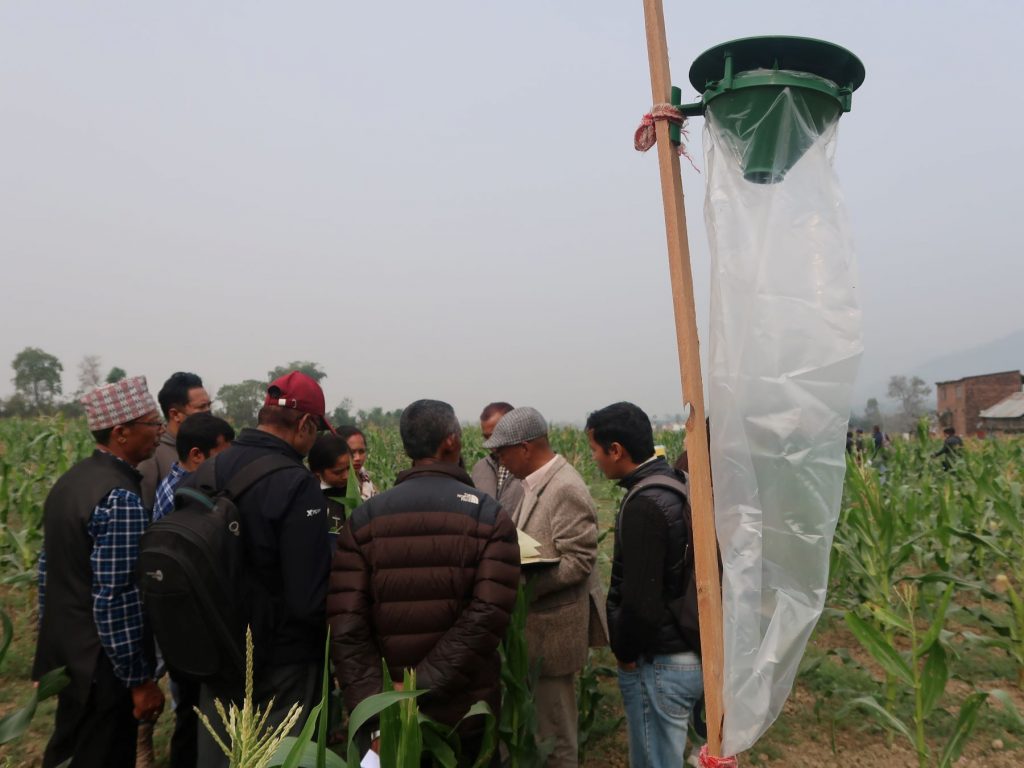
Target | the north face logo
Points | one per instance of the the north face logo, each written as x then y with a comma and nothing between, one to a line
468,497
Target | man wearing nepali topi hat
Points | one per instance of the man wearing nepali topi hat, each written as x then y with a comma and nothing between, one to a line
91,619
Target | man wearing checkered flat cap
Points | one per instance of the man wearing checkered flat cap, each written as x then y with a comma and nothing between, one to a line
567,605
91,619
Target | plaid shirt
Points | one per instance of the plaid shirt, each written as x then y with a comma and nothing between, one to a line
164,502
116,525
503,476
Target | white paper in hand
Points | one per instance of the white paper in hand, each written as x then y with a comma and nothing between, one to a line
529,547
529,551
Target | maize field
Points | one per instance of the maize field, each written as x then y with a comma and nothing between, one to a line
918,660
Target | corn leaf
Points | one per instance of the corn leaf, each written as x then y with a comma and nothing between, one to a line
962,730
16,723
1004,698
879,648
369,708
8,634
984,641
935,629
887,616
872,707
323,720
933,678
308,756
436,744
390,724
294,755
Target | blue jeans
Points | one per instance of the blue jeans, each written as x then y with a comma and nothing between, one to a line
658,696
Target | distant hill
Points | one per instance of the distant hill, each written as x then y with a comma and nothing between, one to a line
1004,354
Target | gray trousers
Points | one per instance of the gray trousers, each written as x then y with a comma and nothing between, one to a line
286,685
558,718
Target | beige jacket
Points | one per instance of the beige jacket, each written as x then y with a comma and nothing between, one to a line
567,612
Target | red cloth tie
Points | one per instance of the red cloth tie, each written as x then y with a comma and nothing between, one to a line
646,136
710,761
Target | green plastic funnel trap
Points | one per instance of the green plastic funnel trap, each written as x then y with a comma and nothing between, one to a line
741,82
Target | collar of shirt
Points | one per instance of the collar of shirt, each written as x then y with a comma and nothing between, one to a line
533,480
631,479
114,456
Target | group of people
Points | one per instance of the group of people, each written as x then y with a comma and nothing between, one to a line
858,443
423,576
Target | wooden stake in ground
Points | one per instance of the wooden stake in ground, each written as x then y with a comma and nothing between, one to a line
709,593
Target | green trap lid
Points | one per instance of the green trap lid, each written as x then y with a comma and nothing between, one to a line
801,54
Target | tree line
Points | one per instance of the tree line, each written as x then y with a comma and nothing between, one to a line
39,391
910,396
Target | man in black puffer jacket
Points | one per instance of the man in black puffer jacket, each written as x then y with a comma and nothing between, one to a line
425,576
652,633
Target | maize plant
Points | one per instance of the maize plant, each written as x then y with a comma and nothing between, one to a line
922,670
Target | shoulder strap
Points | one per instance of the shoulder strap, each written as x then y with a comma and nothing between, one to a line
255,471
658,481
206,479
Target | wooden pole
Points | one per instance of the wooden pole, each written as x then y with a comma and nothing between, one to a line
705,545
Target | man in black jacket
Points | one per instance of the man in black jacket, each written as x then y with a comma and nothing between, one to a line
287,554
656,645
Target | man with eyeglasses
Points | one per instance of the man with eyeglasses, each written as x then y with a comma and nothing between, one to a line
91,620
287,556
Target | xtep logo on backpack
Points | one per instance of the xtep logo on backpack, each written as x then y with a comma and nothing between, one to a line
313,512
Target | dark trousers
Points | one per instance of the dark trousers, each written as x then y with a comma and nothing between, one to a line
184,750
98,731
286,685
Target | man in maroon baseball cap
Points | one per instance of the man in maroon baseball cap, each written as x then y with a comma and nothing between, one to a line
288,552
299,391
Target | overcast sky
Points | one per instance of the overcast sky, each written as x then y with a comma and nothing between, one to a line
442,199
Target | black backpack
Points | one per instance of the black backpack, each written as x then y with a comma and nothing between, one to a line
190,570
684,607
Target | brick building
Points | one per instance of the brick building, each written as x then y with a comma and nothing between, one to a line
961,401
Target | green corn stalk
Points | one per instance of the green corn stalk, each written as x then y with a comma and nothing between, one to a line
14,724
923,671
517,729
873,543
1003,540
589,696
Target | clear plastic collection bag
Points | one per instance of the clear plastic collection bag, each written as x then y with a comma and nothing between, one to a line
785,343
